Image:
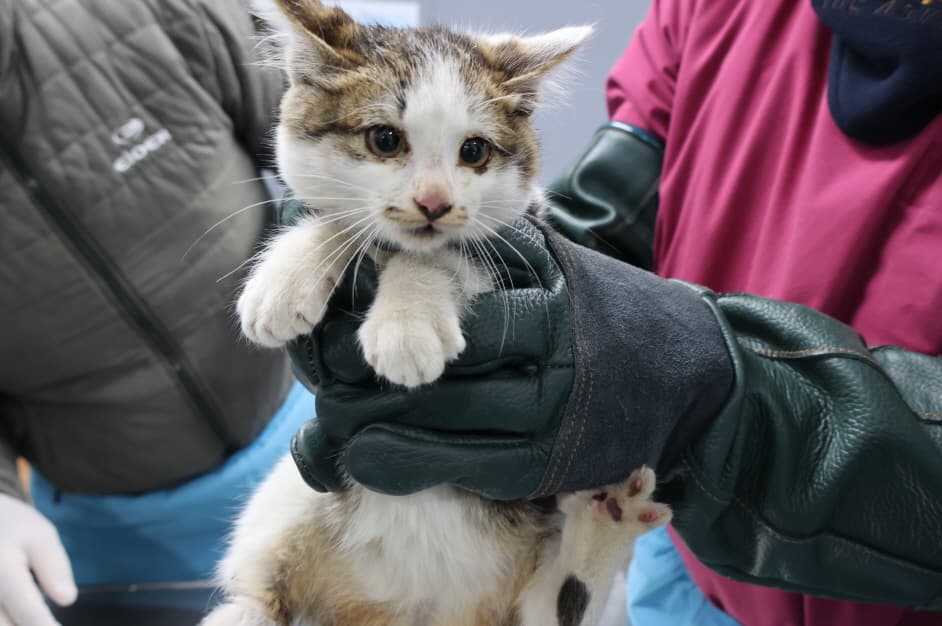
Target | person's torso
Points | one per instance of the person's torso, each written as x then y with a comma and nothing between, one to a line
122,368
762,193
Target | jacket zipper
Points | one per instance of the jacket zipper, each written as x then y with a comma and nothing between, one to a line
127,300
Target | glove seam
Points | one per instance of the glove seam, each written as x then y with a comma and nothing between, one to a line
834,351
693,474
549,483
587,374
758,519
817,351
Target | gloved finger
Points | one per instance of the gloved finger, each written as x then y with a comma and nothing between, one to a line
4,620
52,568
519,249
397,460
316,458
508,402
22,600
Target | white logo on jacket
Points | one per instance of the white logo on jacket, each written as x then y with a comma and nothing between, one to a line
131,131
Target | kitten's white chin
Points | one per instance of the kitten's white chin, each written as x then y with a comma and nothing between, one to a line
421,240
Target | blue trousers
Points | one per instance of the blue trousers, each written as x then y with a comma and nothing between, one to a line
173,535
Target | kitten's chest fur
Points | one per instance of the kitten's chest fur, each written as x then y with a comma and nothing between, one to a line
441,550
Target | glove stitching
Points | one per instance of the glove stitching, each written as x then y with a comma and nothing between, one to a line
825,351
799,541
822,350
707,492
584,408
548,484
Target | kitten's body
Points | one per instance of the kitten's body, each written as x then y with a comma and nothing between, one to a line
382,130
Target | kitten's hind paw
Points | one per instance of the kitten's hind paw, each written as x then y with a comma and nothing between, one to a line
627,503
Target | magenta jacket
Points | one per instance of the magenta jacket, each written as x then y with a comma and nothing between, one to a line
762,193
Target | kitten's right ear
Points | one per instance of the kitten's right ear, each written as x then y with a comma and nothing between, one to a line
319,41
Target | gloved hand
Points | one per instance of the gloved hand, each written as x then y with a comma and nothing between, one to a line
576,374
28,542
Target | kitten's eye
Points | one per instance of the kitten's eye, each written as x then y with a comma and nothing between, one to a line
384,141
475,152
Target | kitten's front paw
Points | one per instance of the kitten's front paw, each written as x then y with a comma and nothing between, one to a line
410,350
280,303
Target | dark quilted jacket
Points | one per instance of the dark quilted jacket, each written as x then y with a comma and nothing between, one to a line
127,130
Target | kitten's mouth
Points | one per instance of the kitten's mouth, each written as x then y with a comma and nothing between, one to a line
425,232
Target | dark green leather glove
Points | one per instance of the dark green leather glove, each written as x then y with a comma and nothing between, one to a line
599,364
607,200
823,473
820,473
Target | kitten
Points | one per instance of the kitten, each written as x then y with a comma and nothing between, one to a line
413,144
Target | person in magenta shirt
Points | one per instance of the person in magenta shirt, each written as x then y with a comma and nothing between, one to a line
771,186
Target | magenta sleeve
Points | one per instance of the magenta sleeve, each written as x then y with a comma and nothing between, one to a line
640,88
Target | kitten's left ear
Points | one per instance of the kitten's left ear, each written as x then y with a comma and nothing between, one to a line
526,62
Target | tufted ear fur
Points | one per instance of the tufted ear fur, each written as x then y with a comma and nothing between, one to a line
527,62
320,41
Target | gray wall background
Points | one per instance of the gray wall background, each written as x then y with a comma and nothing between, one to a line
566,126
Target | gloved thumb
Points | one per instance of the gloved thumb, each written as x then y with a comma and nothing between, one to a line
399,460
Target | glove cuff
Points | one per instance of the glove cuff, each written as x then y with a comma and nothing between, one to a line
652,364
608,199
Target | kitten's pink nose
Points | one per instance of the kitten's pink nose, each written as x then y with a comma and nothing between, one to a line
433,206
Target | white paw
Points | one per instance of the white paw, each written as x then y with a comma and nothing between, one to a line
627,503
411,350
280,303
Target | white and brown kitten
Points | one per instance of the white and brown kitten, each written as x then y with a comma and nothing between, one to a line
418,141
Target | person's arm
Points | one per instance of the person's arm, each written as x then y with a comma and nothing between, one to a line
793,454
823,473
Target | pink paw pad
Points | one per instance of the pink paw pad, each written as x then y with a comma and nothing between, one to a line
608,506
649,517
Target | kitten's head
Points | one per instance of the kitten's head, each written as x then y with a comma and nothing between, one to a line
420,137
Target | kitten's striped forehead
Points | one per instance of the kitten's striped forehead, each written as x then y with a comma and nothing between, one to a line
426,79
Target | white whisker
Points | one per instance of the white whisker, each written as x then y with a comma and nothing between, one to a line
221,222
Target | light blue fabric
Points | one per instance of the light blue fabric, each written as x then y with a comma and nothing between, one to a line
661,592
172,535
